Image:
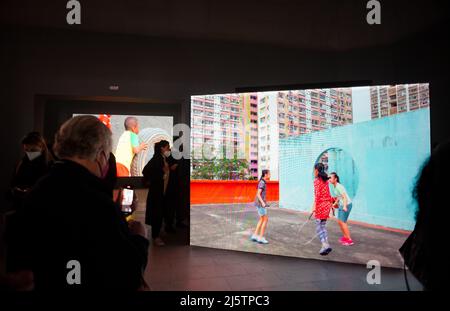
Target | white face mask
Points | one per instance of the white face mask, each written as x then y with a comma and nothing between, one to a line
33,155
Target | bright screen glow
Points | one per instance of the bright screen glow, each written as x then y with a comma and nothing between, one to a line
142,131
375,138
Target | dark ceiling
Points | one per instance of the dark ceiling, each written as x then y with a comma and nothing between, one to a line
318,24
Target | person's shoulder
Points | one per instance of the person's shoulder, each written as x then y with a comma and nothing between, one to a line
320,183
46,188
23,162
340,187
100,198
61,175
171,160
134,137
124,135
151,164
20,163
153,160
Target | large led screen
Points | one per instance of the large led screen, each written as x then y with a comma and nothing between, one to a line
315,173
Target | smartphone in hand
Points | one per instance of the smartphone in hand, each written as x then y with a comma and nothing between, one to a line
127,201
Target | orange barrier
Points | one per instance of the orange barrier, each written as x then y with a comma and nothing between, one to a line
229,191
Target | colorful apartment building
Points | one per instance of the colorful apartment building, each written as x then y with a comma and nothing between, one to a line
293,113
227,125
251,124
388,100
250,120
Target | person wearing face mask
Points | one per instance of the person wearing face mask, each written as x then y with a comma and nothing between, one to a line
34,165
69,215
156,175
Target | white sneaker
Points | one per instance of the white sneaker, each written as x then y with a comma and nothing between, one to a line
158,242
254,238
263,241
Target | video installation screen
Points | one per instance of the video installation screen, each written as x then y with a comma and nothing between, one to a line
315,173
134,138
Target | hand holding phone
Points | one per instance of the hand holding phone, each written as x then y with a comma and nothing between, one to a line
126,199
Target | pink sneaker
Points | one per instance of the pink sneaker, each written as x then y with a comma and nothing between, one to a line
342,240
348,242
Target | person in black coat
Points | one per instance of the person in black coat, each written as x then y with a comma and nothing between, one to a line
34,165
156,176
69,216
172,196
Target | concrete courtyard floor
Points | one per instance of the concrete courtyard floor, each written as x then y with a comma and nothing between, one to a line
229,226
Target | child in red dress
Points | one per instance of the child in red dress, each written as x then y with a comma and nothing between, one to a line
321,206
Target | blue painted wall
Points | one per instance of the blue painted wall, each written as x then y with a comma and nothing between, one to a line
386,155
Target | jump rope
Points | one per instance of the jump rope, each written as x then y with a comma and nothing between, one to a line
304,224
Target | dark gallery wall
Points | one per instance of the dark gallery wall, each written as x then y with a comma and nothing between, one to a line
40,61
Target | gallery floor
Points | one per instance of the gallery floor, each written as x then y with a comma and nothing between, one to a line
183,267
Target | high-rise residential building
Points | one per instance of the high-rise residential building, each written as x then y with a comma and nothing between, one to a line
251,124
250,120
291,113
268,133
388,100
225,123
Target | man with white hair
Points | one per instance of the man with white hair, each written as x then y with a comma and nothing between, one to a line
69,217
